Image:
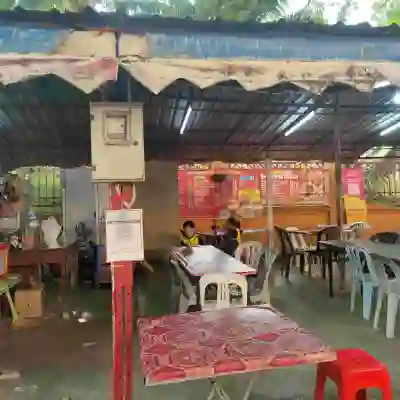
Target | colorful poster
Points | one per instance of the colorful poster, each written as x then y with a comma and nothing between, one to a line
250,187
195,195
300,186
245,186
355,204
353,182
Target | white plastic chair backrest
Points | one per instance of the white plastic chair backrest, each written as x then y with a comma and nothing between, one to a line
298,241
239,281
221,281
352,260
187,287
356,228
269,259
250,253
357,225
381,264
358,258
261,284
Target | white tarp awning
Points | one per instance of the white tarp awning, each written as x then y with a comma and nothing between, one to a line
86,73
315,76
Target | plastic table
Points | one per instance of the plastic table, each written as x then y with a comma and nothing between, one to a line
208,259
208,345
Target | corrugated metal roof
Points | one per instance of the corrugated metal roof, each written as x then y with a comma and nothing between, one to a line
42,32
20,39
231,124
46,122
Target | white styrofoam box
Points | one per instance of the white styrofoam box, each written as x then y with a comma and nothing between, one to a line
117,142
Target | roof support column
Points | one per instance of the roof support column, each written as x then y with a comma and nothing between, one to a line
270,213
337,133
121,197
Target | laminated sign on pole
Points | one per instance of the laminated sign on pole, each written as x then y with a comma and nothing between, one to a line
118,159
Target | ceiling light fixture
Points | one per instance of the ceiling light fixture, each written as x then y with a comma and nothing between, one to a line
186,119
300,123
396,98
381,84
377,152
390,129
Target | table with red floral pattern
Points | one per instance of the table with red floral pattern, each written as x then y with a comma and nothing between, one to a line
206,345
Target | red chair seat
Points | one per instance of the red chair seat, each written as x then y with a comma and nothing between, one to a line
354,371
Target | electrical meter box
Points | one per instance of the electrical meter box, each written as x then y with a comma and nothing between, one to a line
117,142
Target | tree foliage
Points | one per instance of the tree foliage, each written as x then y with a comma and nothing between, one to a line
385,12
231,10
313,11
45,5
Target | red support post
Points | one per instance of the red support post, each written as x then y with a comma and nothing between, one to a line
122,196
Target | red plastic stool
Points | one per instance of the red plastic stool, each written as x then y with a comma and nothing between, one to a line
354,371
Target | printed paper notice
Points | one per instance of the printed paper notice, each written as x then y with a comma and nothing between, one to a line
124,235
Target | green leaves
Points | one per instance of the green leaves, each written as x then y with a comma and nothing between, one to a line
313,11
44,5
171,8
386,12
393,17
239,10
7,4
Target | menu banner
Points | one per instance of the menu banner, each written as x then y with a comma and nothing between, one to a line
353,182
245,186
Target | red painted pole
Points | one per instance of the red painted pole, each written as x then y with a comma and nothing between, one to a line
121,196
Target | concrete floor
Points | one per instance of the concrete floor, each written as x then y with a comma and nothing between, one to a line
67,360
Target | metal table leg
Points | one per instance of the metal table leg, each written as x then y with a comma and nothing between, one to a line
218,392
14,312
330,273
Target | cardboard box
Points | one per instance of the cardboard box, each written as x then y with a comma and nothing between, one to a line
29,303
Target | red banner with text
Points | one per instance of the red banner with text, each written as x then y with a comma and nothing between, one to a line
201,196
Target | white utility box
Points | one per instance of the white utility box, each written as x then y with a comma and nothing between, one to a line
117,142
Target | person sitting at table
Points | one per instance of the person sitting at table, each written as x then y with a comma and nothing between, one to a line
230,240
189,236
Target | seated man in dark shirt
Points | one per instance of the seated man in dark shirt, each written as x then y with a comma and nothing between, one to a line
230,241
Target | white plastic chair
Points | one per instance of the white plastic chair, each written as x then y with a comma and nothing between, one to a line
392,290
358,259
237,299
392,308
188,292
224,283
261,293
354,230
221,283
250,253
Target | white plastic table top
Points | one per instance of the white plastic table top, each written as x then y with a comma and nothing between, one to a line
210,260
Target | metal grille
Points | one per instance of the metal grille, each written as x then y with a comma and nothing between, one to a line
382,180
45,190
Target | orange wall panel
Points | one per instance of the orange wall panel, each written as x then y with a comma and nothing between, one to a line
382,219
